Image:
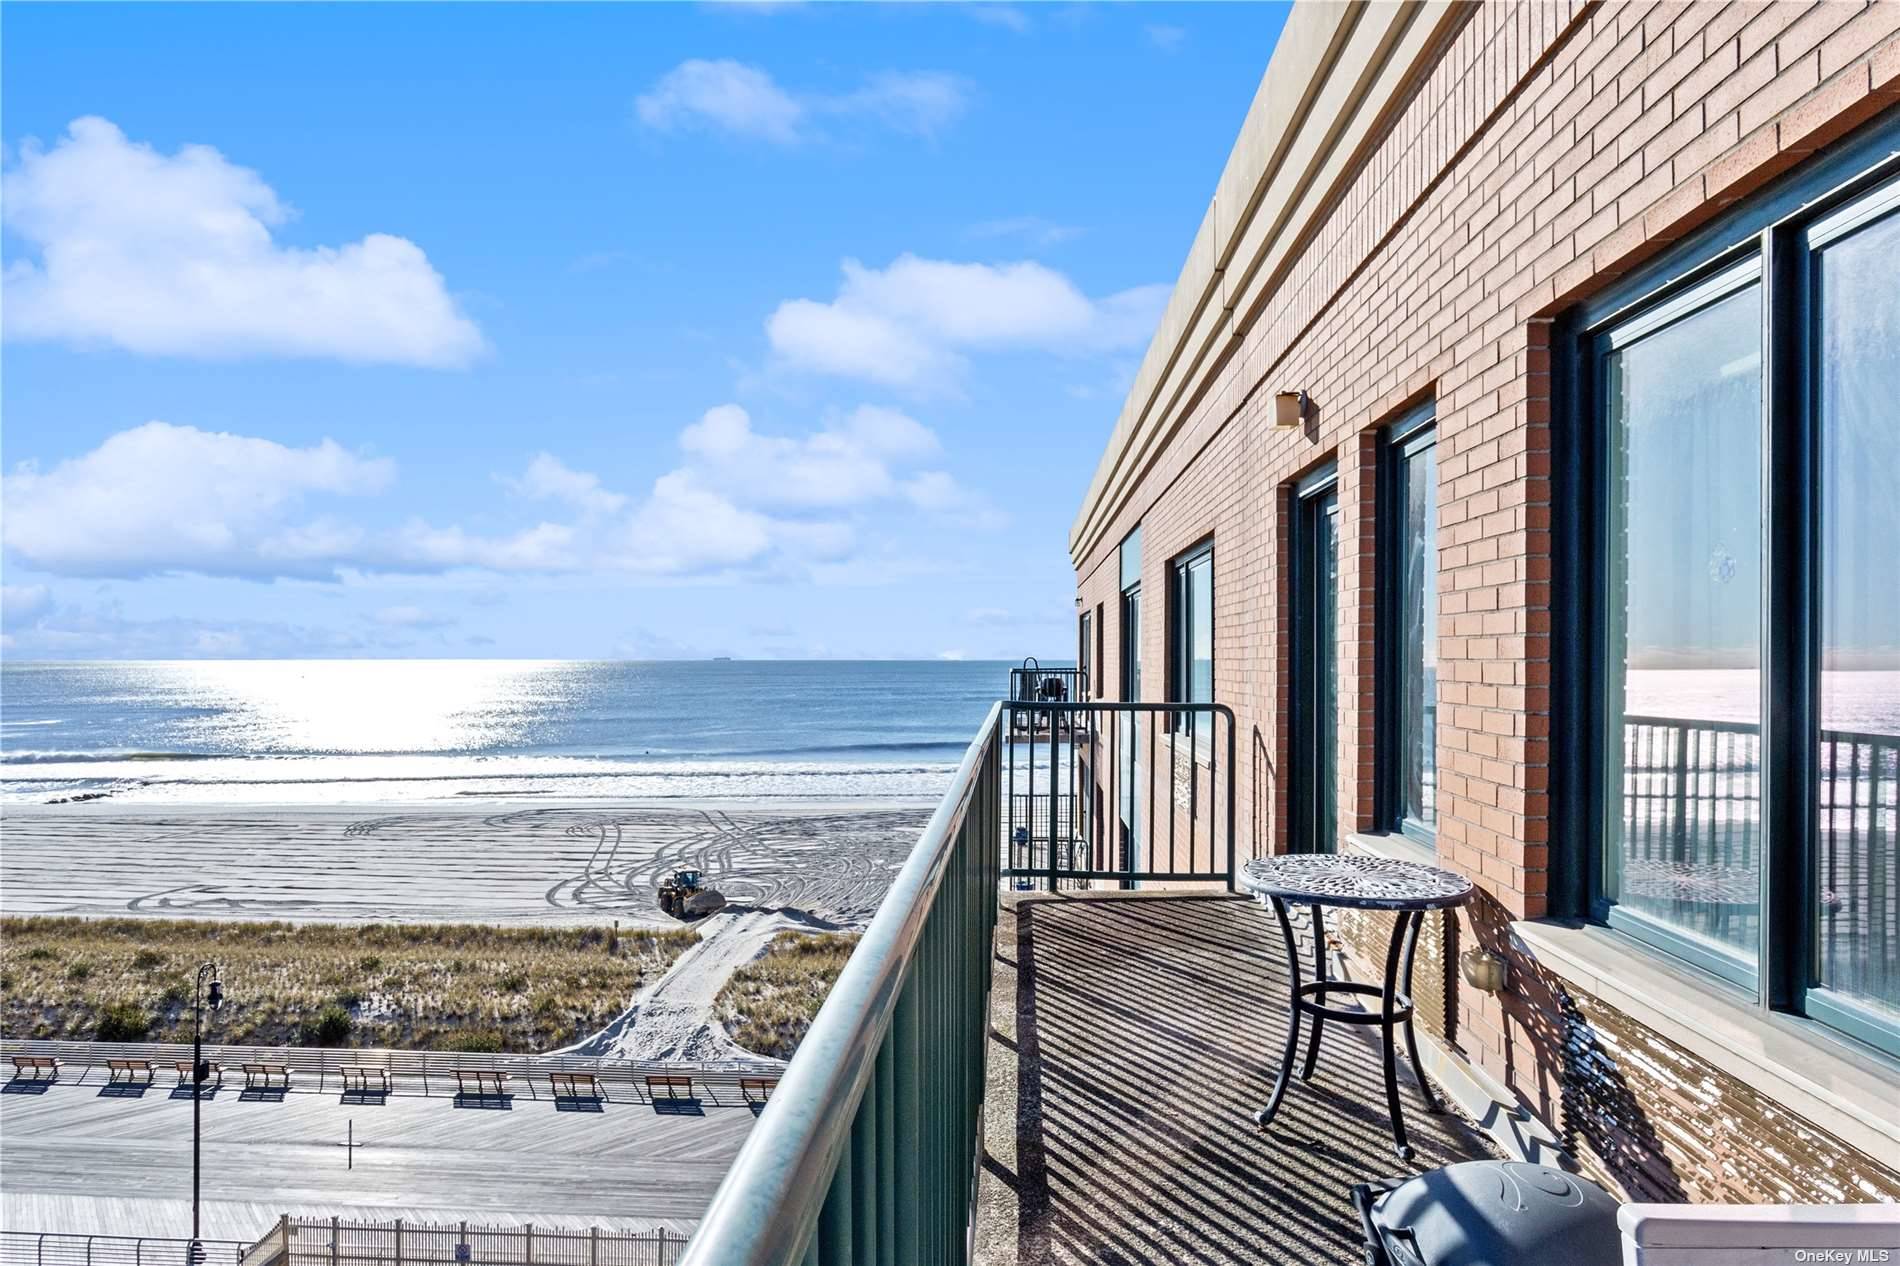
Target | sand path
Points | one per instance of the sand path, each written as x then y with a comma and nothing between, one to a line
673,1018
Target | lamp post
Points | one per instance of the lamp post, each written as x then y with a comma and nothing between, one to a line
200,1073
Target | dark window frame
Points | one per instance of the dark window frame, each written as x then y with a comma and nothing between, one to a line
1411,431
1854,181
1084,646
1306,813
1128,668
1180,635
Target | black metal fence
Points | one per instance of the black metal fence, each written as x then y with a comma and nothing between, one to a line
1858,866
1691,839
34,1248
1032,684
1118,793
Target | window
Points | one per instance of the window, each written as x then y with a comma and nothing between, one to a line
1856,351
1084,644
1740,624
1131,616
1409,625
1191,638
1096,690
1682,548
1313,778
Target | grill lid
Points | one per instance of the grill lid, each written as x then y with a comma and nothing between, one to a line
1498,1213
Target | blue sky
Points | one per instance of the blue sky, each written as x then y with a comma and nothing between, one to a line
582,331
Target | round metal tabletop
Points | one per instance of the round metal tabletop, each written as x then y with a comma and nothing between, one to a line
1354,880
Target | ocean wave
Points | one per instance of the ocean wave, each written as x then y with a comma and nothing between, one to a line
96,757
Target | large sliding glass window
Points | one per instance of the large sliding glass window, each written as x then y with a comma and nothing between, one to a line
1191,638
1681,408
1856,354
1410,625
1745,565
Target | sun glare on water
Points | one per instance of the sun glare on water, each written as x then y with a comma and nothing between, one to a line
366,705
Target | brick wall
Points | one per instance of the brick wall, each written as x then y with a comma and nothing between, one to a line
1549,149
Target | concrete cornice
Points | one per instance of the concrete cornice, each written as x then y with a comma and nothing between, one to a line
1335,71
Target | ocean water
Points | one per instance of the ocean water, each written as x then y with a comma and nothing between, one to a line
358,731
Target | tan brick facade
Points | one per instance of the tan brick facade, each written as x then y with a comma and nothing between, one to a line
1542,151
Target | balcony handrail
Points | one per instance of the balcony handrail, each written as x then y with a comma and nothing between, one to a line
788,1174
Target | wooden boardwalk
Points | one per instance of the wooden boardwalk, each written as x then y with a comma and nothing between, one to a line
82,1158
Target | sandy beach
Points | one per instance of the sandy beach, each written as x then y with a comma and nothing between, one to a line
520,863
803,866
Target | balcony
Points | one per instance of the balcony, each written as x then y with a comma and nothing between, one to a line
1132,1034
1024,1062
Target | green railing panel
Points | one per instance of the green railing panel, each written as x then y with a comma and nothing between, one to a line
867,1152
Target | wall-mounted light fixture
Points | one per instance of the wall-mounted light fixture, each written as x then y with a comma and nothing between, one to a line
1484,970
1291,408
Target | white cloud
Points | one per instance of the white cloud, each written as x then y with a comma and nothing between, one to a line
173,255
909,324
22,602
1030,228
1007,16
547,478
914,102
160,498
725,95
411,617
1165,37
845,463
729,96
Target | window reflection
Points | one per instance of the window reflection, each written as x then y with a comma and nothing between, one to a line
1683,626
1857,882
1418,632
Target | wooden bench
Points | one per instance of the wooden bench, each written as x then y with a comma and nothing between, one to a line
574,1086
36,1068
266,1076
480,1083
363,1078
757,1090
129,1072
677,1088
214,1073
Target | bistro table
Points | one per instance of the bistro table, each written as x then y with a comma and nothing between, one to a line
1353,882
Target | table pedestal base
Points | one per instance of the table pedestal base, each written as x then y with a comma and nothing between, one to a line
1395,1011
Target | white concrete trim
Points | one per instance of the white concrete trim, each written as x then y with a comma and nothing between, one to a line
1402,848
1848,1091
1517,1132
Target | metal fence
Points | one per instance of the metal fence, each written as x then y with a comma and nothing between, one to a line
342,1242
1144,792
411,1072
1691,808
869,1151
34,1248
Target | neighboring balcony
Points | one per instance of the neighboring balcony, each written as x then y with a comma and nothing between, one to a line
1027,1062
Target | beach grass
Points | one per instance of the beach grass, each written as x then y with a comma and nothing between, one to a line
415,986
768,1004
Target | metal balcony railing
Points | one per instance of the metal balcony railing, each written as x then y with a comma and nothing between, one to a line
1118,793
1691,799
868,1149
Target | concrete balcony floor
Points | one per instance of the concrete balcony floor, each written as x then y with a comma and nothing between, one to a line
1132,1037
